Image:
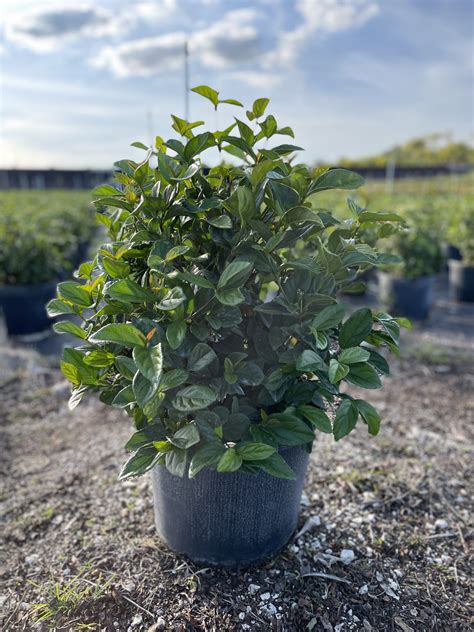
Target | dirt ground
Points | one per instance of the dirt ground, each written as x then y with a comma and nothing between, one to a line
386,520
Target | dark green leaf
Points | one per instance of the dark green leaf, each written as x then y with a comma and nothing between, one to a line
201,356
352,355
176,462
149,361
336,179
369,414
337,371
75,293
68,327
364,375
172,300
206,456
230,461
172,379
139,463
328,317
56,307
317,417
249,451
346,419
276,465
129,291
175,333
235,275
195,397
185,437
126,335
310,361
356,328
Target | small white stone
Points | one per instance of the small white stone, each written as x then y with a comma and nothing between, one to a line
347,556
253,588
265,596
129,586
441,524
379,576
269,609
137,620
311,523
305,500
32,559
363,590
241,616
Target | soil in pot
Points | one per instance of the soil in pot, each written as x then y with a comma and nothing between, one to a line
24,307
461,281
407,297
229,519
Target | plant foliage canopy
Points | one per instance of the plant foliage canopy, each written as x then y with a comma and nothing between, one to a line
200,319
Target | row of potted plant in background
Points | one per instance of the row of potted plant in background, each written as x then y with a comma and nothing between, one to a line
43,237
408,286
438,233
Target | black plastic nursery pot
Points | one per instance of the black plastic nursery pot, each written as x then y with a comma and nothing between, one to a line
407,297
24,307
461,281
451,252
228,519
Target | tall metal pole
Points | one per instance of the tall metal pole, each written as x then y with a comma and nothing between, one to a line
186,81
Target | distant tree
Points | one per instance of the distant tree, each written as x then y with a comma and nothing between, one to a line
431,150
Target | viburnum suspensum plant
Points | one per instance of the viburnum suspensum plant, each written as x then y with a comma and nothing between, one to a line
199,321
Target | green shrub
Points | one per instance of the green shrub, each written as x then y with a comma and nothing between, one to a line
419,252
461,232
40,233
199,322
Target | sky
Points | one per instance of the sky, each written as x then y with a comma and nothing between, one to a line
80,80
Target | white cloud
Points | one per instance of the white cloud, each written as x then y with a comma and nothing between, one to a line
233,39
320,16
257,78
229,41
143,57
158,10
47,27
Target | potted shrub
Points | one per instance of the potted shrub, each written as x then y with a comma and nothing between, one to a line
227,387
39,234
407,287
461,270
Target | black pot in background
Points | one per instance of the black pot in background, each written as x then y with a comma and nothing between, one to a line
451,252
407,297
24,307
228,519
461,281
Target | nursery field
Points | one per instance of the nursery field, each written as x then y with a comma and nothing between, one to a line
386,522
384,530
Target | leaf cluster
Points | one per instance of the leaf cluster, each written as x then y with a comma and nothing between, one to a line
199,321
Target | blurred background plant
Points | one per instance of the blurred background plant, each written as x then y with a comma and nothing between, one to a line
42,234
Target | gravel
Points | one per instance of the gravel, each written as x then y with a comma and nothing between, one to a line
382,544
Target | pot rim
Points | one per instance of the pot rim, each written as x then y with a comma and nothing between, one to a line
459,263
13,290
